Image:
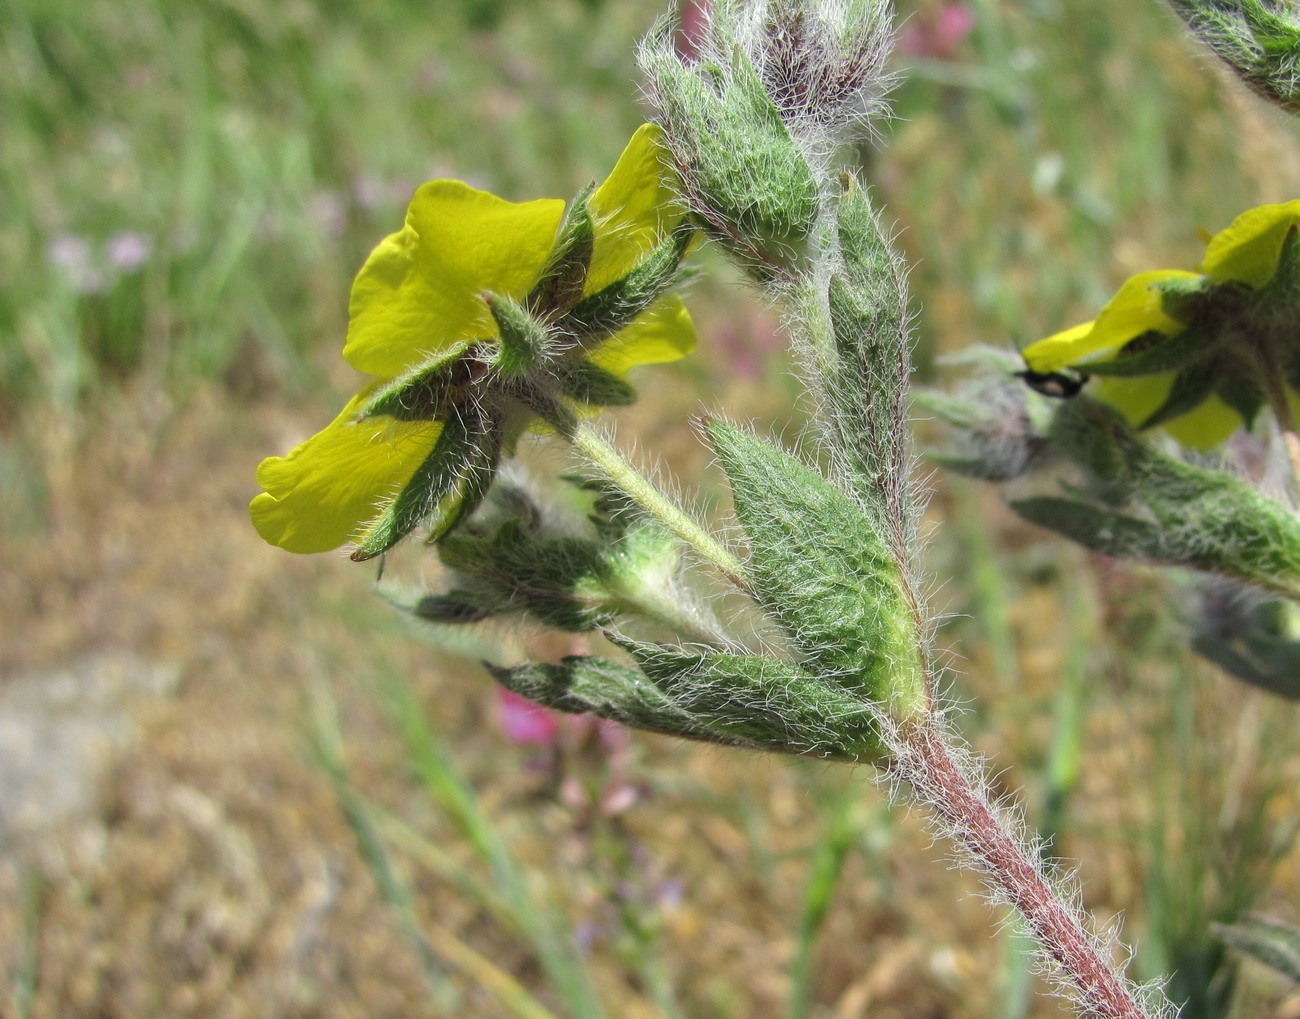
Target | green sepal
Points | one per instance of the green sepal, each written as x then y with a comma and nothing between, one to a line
524,340
822,572
1192,387
1290,366
1107,531
992,438
580,684
1273,943
1153,353
1201,299
506,563
1239,387
1279,299
561,282
455,608
445,489
1086,431
511,570
582,381
761,702
429,392
599,316
613,513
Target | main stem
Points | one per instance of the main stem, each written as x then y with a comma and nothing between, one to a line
926,763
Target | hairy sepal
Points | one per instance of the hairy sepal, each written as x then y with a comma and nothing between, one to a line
446,488
581,684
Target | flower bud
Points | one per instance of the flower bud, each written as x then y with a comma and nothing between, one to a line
743,175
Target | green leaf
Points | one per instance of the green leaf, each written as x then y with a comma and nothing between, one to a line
762,702
820,569
580,684
1102,530
1273,943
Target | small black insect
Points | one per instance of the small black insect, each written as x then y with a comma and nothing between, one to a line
1056,384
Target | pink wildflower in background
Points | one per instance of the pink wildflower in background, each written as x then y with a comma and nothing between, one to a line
74,257
525,723
127,250
937,33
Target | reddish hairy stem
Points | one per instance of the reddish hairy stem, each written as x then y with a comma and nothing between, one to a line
968,820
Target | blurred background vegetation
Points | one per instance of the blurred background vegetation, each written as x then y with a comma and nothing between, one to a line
312,813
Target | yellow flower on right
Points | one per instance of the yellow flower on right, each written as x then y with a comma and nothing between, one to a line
1197,353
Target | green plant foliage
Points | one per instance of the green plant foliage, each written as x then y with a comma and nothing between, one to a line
1272,943
820,569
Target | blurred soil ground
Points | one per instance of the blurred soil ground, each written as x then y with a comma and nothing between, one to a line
178,854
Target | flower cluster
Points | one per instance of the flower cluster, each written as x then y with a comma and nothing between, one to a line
479,320
1196,353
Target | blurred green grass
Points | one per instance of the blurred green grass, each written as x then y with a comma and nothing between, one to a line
189,188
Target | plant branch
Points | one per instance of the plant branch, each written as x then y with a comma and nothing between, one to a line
638,488
925,762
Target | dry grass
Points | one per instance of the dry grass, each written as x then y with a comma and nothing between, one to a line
217,877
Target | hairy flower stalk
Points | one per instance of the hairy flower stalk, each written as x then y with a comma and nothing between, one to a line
833,549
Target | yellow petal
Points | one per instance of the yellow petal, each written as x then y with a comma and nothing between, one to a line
420,290
327,490
1057,351
633,211
1135,309
1137,398
664,332
1249,249
1206,426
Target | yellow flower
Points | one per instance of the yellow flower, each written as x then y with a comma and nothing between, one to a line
1196,353
476,318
